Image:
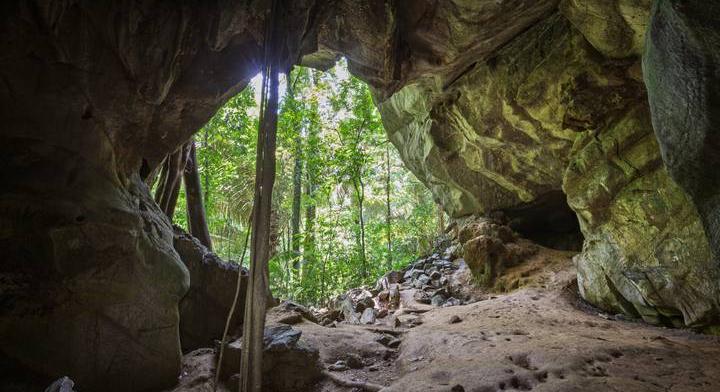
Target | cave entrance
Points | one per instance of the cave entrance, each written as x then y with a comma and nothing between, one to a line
345,208
548,221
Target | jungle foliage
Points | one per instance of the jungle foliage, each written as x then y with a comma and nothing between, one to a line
345,210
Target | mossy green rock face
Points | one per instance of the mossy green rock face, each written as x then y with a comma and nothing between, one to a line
560,107
614,27
645,252
495,137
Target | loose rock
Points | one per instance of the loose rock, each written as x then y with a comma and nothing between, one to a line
368,316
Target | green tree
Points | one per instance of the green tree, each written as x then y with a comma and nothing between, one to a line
344,207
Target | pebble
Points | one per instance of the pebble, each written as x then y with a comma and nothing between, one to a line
437,300
339,366
455,319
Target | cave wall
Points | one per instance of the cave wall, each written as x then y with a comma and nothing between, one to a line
89,279
499,105
682,73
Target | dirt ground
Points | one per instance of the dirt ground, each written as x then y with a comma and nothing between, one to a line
540,337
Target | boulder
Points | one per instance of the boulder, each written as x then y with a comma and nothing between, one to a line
388,341
416,273
204,309
289,312
346,307
364,302
485,256
289,363
339,366
437,300
394,296
408,275
422,297
422,281
452,301
96,261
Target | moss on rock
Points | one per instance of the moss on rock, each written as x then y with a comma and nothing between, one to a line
645,253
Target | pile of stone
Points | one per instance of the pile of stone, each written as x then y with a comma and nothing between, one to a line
428,280
431,277
357,306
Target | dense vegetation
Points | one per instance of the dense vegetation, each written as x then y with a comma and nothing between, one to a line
345,209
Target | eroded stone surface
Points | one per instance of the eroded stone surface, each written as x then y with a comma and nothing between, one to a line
90,280
682,71
614,27
213,282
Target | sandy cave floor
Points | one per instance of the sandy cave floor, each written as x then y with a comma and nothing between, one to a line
539,338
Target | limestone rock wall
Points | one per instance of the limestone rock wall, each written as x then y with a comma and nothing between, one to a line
89,278
491,139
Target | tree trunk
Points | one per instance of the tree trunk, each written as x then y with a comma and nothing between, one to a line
388,211
168,189
309,251
197,221
297,197
206,170
360,195
297,176
311,169
441,220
